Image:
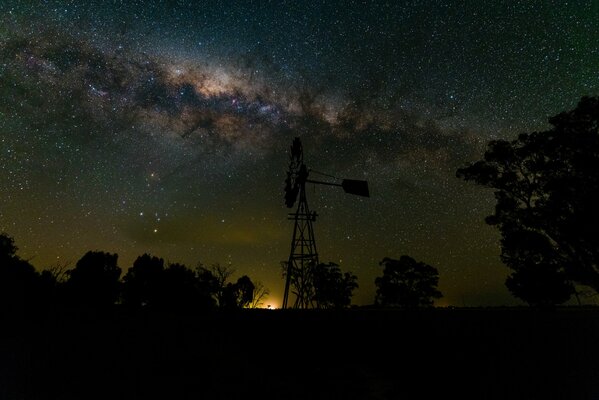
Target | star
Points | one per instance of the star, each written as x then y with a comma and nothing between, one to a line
190,118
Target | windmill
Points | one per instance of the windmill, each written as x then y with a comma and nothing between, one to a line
303,252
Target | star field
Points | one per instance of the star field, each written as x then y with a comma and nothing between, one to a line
162,127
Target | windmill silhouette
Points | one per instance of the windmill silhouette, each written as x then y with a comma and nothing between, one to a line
303,255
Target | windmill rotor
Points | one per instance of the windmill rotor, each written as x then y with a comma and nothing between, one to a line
296,174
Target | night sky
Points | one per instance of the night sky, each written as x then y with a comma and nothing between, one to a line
163,127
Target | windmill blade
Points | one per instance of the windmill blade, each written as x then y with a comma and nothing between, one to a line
297,173
356,187
296,150
291,195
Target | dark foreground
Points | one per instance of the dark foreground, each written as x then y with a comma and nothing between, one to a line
357,354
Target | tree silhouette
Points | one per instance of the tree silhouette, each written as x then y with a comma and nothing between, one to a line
537,276
227,294
50,288
180,289
260,292
149,283
142,285
20,284
406,282
8,249
238,295
221,275
207,285
245,291
547,190
94,281
332,288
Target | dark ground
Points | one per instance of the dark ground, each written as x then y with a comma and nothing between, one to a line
355,354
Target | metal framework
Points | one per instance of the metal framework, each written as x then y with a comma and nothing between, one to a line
303,254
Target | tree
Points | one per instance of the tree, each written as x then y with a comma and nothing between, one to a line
538,277
207,285
94,281
407,283
221,275
244,291
179,287
142,285
237,295
176,287
227,294
260,293
231,295
52,280
547,190
8,249
332,288
19,282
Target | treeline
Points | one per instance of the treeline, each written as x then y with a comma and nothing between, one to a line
98,282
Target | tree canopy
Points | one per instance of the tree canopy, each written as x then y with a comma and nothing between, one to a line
143,281
332,288
20,284
407,283
95,280
547,190
239,294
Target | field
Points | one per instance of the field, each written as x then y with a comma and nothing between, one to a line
512,353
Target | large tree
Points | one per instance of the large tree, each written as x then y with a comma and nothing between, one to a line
239,294
332,288
142,285
94,281
407,283
20,284
547,191
179,289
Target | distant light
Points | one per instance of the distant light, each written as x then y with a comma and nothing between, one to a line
155,230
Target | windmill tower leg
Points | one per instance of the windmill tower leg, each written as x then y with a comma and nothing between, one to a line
302,257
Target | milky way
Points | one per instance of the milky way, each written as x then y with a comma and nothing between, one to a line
163,128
